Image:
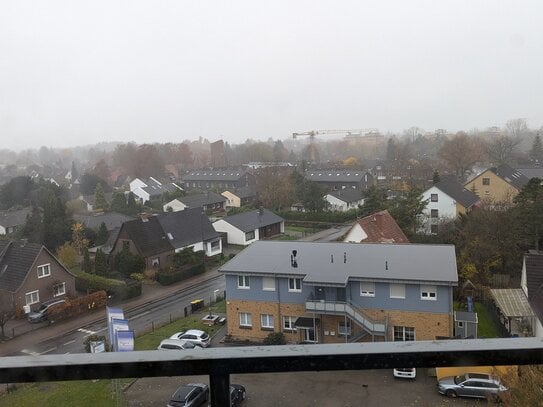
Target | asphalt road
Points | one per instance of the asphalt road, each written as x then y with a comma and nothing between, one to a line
140,319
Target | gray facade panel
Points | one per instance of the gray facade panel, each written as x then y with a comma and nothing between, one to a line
256,293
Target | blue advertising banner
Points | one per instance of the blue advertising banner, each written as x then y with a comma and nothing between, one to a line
112,313
124,341
118,325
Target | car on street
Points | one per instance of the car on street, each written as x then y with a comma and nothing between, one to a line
175,344
405,372
237,394
41,314
197,337
479,385
190,395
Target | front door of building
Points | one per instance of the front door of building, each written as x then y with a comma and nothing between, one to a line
309,335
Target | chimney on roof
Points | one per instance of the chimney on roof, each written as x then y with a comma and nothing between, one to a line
386,265
331,258
260,211
293,261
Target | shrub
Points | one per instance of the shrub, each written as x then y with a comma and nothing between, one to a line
275,338
95,338
170,277
127,263
137,276
117,288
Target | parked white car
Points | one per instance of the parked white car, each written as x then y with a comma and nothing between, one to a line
405,372
197,337
175,344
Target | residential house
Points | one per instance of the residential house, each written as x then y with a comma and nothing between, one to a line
210,201
532,286
335,180
239,197
446,200
498,184
158,238
224,179
344,199
337,292
90,200
465,324
247,227
30,275
150,188
112,220
13,220
379,227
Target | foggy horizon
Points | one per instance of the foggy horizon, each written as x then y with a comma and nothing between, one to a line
80,74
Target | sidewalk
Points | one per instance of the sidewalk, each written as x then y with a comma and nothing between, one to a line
40,333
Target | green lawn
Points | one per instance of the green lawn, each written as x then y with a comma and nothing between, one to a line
100,392
488,326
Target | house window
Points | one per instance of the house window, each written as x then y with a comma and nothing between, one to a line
295,284
367,289
32,297
486,181
397,290
288,323
250,235
44,270
434,229
404,333
266,321
215,245
460,324
433,197
155,262
243,282
268,283
59,289
428,292
245,319
434,213
126,244
344,329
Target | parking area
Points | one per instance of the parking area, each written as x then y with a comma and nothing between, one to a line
311,389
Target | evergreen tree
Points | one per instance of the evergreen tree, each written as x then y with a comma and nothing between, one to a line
407,210
87,265
74,172
100,263
436,178
375,201
118,203
56,223
127,263
102,235
529,210
99,197
133,208
33,228
536,152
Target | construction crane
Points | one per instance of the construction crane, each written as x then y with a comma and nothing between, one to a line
312,149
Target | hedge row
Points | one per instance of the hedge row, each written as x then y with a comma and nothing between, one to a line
328,216
170,277
119,289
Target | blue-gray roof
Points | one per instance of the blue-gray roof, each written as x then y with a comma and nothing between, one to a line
248,221
112,220
336,263
336,176
184,228
206,175
199,200
457,192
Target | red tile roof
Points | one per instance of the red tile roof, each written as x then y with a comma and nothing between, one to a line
381,228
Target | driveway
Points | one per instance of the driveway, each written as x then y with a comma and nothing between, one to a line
311,389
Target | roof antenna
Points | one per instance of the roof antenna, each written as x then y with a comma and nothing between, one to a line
331,258
386,265
344,257
293,261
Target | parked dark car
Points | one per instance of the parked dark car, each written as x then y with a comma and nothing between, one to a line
41,314
479,385
237,394
190,395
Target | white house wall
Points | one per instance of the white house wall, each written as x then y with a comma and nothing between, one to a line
2,230
231,199
234,235
200,246
445,205
356,234
136,183
175,205
335,204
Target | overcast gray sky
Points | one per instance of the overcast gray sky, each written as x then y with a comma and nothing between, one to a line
74,73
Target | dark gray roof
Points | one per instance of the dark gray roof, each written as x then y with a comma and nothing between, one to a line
16,259
148,236
112,220
465,316
187,227
248,221
198,201
348,195
531,172
336,176
13,218
534,281
427,263
243,192
155,189
203,175
512,176
457,192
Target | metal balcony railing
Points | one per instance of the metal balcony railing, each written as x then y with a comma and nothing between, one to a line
220,363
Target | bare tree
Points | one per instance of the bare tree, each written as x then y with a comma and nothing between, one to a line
460,153
413,133
500,149
516,128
